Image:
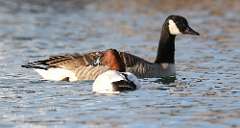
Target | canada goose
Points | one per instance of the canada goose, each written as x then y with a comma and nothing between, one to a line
116,79
78,66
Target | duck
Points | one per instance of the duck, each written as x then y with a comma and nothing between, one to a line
116,79
77,66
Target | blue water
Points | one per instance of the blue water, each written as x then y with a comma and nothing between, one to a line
205,93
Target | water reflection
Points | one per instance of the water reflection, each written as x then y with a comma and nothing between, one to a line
166,80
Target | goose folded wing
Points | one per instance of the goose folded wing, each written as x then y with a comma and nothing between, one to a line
131,60
67,61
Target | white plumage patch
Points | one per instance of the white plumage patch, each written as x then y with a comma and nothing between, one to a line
56,74
103,83
173,29
168,68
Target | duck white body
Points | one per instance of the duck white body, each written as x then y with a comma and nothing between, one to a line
105,82
115,80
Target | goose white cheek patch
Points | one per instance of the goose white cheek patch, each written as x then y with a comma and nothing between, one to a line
173,29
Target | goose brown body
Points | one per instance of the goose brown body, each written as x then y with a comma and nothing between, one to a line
82,67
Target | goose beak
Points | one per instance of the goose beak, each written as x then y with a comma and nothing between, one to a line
190,31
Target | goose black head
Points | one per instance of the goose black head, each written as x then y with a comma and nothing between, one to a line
179,25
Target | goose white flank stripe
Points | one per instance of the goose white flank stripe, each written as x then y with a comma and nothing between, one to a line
56,74
82,66
115,80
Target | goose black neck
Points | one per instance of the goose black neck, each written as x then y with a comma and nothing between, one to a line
166,47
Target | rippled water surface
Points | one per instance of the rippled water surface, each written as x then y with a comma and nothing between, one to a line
206,91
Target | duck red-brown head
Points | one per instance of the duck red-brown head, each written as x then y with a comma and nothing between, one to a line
112,59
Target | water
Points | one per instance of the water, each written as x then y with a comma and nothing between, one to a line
205,93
